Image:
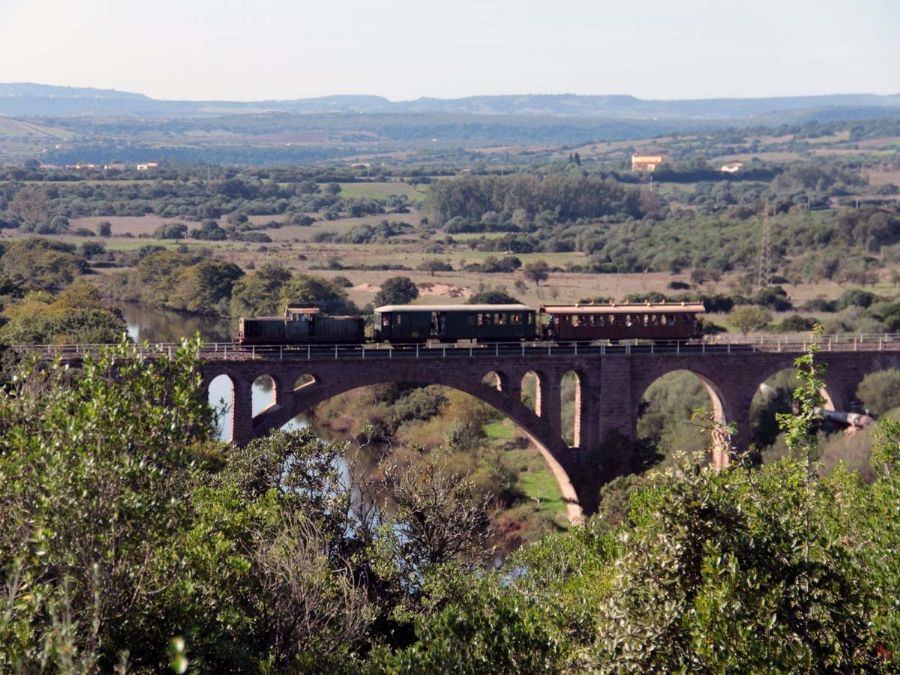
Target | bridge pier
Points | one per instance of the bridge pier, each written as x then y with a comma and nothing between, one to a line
242,412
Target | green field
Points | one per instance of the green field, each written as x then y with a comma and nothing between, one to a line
535,480
415,193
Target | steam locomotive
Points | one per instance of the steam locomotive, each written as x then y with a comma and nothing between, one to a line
420,324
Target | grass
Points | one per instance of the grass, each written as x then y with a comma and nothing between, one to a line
415,193
539,486
535,480
500,430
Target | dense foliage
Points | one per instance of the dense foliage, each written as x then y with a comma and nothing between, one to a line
124,526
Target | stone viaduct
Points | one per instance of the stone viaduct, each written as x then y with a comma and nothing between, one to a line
608,393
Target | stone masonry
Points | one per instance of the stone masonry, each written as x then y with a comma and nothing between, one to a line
608,393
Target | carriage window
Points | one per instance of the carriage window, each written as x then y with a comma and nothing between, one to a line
470,319
501,319
385,320
530,318
397,319
576,321
628,320
516,318
662,319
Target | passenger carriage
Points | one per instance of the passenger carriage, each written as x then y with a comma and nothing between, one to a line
453,323
614,322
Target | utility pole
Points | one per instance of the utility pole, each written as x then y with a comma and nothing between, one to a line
764,271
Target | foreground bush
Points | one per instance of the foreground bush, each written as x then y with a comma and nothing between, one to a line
123,526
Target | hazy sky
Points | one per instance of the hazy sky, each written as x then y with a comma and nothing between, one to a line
256,49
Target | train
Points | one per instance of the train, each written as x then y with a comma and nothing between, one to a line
448,324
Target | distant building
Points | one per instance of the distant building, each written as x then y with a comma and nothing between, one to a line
114,166
147,166
646,162
82,166
731,167
360,165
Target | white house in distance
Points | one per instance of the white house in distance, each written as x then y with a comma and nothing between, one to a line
147,166
731,167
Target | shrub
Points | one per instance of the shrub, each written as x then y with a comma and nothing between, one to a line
880,391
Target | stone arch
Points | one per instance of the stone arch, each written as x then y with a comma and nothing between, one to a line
221,392
497,379
761,423
572,412
551,447
537,380
304,380
265,393
720,407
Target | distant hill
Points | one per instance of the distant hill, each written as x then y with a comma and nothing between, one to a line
40,100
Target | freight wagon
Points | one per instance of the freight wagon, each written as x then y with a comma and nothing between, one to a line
301,325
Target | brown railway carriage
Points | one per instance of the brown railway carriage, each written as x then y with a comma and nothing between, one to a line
662,321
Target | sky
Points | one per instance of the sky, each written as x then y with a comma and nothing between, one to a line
405,49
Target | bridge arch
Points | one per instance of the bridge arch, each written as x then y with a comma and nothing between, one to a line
533,386
719,404
572,406
325,384
304,380
497,379
774,395
221,391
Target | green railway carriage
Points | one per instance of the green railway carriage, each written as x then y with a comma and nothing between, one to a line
451,323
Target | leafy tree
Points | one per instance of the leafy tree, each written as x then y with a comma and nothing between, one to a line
259,293
42,264
537,272
171,231
305,289
434,265
210,231
774,297
492,298
396,291
32,207
747,318
104,228
715,576
205,288
880,391
94,474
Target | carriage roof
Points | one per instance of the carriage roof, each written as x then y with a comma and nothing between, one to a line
454,308
633,308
